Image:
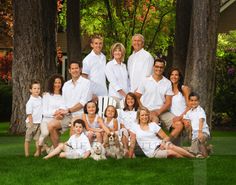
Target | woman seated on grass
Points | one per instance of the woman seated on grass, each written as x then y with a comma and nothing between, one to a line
152,139
78,145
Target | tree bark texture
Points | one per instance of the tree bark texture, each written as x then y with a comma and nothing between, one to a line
182,28
74,51
201,57
34,52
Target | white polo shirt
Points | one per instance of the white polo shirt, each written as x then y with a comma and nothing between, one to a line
94,67
34,107
76,93
194,115
140,66
117,76
153,92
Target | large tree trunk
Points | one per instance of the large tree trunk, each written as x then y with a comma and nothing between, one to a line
34,52
200,66
74,51
182,28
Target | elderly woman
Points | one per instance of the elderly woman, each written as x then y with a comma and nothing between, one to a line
117,74
152,139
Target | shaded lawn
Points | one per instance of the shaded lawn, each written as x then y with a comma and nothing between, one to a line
16,169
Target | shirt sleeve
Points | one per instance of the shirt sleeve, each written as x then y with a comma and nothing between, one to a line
141,87
169,91
87,93
111,78
150,66
202,114
29,107
87,144
86,69
46,110
154,127
134,128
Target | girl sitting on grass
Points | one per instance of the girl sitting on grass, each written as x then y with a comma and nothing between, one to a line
94,123
128,117
76,147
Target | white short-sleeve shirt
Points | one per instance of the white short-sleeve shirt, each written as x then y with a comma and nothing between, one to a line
153,92
117,76
80,144
34,107
51,103
194,115
94,67
127,118
76,93
140,66
178,104
147,139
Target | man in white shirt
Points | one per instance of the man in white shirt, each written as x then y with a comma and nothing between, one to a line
76,93
140,63
155,93
94,67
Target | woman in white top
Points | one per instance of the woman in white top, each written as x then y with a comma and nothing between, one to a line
152,139
179,105
94,123
127,117
52,102
117,74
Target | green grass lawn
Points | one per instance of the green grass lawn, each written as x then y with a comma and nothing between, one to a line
219,169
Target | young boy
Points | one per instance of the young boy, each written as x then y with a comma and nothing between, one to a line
200,130
34,118
94,67
76,147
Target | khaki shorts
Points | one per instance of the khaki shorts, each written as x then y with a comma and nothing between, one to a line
195,145
65,123
32,132
167,119
158,153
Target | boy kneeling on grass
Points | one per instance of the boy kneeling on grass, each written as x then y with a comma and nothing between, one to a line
78,145
195,120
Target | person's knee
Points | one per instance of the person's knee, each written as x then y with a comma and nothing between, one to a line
62,155
178,125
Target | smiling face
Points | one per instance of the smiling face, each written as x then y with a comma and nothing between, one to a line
78,128
91,108
137,43
97,45
74,70
117,54
130,101
144,117
174,77
35,90
193,101
110,112
158,68
57,85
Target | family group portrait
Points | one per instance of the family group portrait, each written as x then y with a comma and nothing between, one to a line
117,92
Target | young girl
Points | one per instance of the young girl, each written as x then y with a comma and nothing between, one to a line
94,124
110,120
128,117
76,147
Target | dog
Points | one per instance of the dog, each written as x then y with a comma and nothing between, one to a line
98,152
113,147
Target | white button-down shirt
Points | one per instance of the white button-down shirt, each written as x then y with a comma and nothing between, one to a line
140,66
153,92
76,93
194,115
117,76
94,66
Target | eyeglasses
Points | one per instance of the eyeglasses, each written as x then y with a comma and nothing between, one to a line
161,67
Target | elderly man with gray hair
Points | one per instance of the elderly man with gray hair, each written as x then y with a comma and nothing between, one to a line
140,63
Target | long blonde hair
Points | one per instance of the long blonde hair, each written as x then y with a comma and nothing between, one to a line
142,109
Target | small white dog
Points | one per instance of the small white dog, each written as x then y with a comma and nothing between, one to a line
113,147
98,151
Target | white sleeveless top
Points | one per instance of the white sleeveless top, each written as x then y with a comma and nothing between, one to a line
110,124
178,105
94,124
